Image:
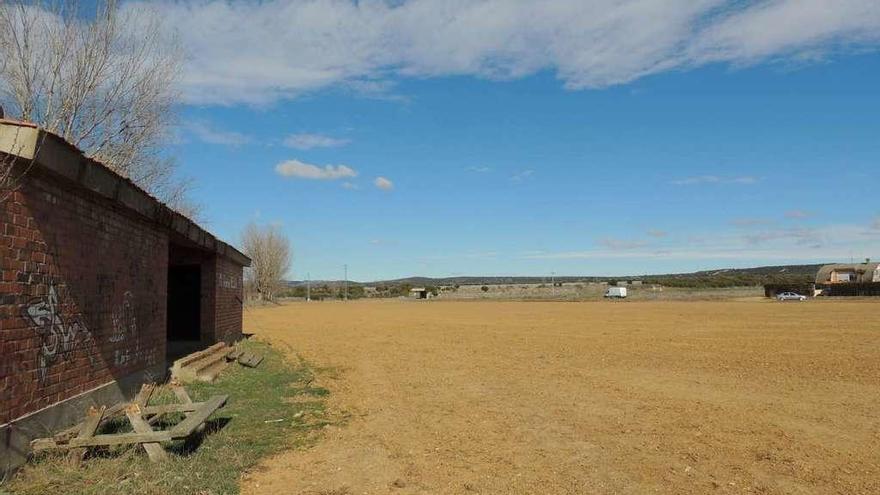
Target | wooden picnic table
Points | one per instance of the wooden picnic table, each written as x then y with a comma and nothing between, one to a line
142,417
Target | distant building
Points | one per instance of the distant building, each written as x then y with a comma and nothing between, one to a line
636,282
419,293
852,273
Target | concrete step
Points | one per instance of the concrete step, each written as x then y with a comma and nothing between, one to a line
209,373
191,358
192,367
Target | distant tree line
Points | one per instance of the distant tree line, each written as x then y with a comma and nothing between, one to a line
728,280
323,291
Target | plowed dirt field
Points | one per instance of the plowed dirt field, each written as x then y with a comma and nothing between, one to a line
604,397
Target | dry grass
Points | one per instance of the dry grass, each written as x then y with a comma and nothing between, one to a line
237,436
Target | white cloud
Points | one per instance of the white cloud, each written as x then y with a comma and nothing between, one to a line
714,179
800,236
875,225
350,185
383,184
307,141
742,180
300,170
787,27
259,52
521,176
657,233
797,214
207,133
749,222
682,253
621,244
787,245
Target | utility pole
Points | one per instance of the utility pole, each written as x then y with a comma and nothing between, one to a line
308,287
345,283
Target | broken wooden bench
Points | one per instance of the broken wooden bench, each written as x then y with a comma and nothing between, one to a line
142,417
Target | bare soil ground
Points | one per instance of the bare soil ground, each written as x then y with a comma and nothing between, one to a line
601,397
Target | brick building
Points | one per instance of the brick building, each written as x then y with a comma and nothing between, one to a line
100,286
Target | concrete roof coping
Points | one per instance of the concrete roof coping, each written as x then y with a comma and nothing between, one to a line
51,152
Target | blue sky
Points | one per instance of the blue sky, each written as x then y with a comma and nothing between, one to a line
710,149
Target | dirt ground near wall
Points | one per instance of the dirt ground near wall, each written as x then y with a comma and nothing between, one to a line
603,397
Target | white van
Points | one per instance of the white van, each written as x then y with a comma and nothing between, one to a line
616,292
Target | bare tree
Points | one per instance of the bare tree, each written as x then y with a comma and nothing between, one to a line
8,179
12,166
11,171
104,83
269,251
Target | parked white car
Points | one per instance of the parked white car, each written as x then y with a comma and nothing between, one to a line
790,296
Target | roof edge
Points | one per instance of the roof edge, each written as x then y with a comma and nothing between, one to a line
53,153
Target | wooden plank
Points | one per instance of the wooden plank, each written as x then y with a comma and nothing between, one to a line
143,397
172,408
184,397
155,451
87,430
66,434
196,418
39,444
156,412
120,439
181,394
250,360
99,440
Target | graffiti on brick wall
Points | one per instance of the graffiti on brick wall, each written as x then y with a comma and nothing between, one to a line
60,336
126,336
124,319
228,281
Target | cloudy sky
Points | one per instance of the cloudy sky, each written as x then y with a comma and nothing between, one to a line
451,137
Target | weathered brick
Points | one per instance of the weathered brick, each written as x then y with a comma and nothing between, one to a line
103,271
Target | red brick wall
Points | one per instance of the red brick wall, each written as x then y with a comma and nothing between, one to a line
82,295
228,301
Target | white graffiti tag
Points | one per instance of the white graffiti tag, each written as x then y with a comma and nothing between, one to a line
126,336
124,319
58,338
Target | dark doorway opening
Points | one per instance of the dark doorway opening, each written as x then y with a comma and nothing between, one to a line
184,303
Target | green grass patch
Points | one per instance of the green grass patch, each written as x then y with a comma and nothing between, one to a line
270,408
